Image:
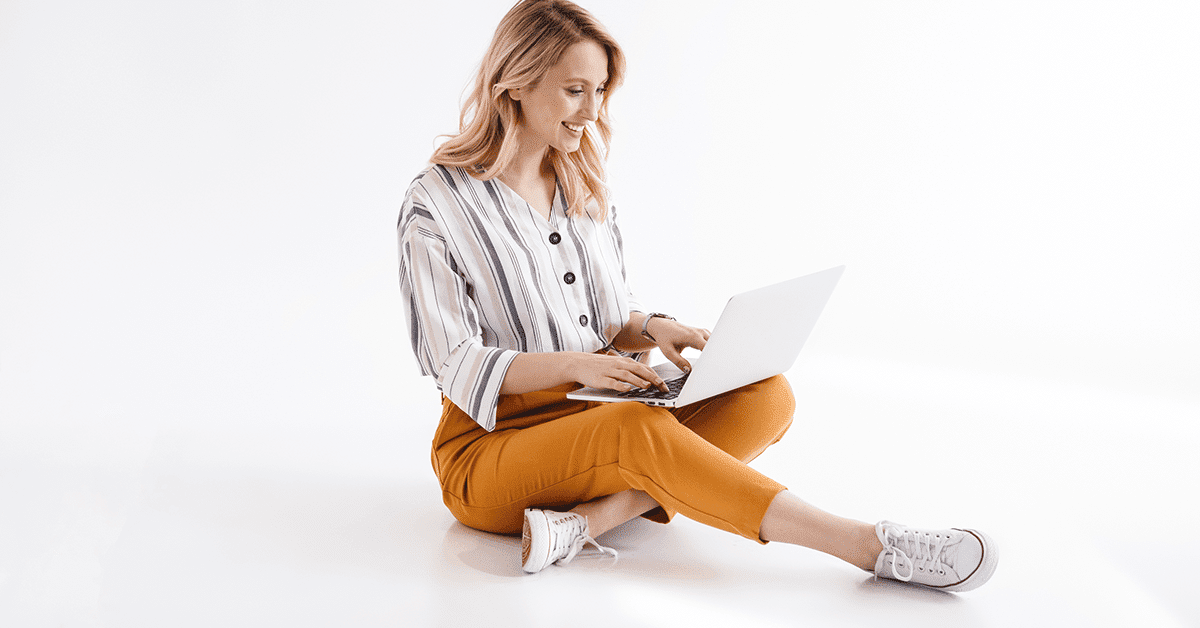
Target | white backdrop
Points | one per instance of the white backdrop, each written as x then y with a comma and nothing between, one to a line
198,265
198,199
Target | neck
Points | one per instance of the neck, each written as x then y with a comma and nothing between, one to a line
530,164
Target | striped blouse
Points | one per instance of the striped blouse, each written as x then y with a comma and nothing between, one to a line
484,277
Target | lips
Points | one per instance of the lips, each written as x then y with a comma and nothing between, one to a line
574,128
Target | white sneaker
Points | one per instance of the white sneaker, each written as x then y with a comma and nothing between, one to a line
949,560
554,537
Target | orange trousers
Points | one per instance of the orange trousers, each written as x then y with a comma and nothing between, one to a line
554,453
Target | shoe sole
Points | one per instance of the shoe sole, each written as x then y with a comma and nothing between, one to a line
533,531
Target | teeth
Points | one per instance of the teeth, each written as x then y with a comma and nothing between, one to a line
573,127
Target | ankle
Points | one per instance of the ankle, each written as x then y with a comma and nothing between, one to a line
869,548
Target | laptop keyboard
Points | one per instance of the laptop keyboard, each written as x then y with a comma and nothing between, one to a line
673,387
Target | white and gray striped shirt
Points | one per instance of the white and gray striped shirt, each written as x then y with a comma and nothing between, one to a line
483,277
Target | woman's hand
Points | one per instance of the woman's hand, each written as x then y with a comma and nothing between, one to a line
613,372
673,337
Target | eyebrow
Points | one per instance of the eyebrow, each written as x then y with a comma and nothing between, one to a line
585,81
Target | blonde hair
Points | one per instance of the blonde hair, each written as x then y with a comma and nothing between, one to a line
528,42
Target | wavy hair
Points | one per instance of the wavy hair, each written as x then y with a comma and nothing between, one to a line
528,42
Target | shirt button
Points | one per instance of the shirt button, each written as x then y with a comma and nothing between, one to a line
583,320
569,278
555,238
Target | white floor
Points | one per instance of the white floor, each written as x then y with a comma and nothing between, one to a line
323,524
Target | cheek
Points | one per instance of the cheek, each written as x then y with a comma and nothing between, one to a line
557,110
545,113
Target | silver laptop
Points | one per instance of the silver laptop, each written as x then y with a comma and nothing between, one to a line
759,335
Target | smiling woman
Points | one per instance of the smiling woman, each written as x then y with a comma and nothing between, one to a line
554,114
547,52
513,275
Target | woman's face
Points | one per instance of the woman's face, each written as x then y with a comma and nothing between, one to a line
555,111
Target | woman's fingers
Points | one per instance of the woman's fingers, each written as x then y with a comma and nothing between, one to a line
670,353
639,375
693,337
616,384
620,373
651,376
629,381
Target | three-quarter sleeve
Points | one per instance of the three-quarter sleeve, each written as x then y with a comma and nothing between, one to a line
444,322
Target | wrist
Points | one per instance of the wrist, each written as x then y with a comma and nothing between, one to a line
650,318
569,365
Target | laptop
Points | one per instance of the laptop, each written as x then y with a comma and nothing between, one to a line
759,335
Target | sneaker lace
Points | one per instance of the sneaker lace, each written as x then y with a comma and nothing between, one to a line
922,548
572,538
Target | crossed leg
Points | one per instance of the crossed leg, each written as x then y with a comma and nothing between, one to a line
788,519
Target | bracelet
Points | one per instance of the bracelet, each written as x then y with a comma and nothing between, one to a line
646,334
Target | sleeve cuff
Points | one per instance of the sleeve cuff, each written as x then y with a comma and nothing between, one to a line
471,379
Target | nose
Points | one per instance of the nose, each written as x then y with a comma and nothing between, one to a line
591,107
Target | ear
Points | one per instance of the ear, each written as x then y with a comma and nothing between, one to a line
515,94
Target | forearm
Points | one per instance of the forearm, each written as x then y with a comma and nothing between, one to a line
538,371
630,337
529,372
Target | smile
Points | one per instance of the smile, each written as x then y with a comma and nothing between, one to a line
574,128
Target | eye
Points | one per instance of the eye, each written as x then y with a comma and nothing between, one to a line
576,91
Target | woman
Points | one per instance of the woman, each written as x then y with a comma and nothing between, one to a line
513,275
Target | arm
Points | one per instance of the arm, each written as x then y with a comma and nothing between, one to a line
444,328
537,371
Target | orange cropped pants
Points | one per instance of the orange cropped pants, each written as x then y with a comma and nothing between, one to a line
555,453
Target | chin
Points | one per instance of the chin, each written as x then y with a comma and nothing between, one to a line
568,147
